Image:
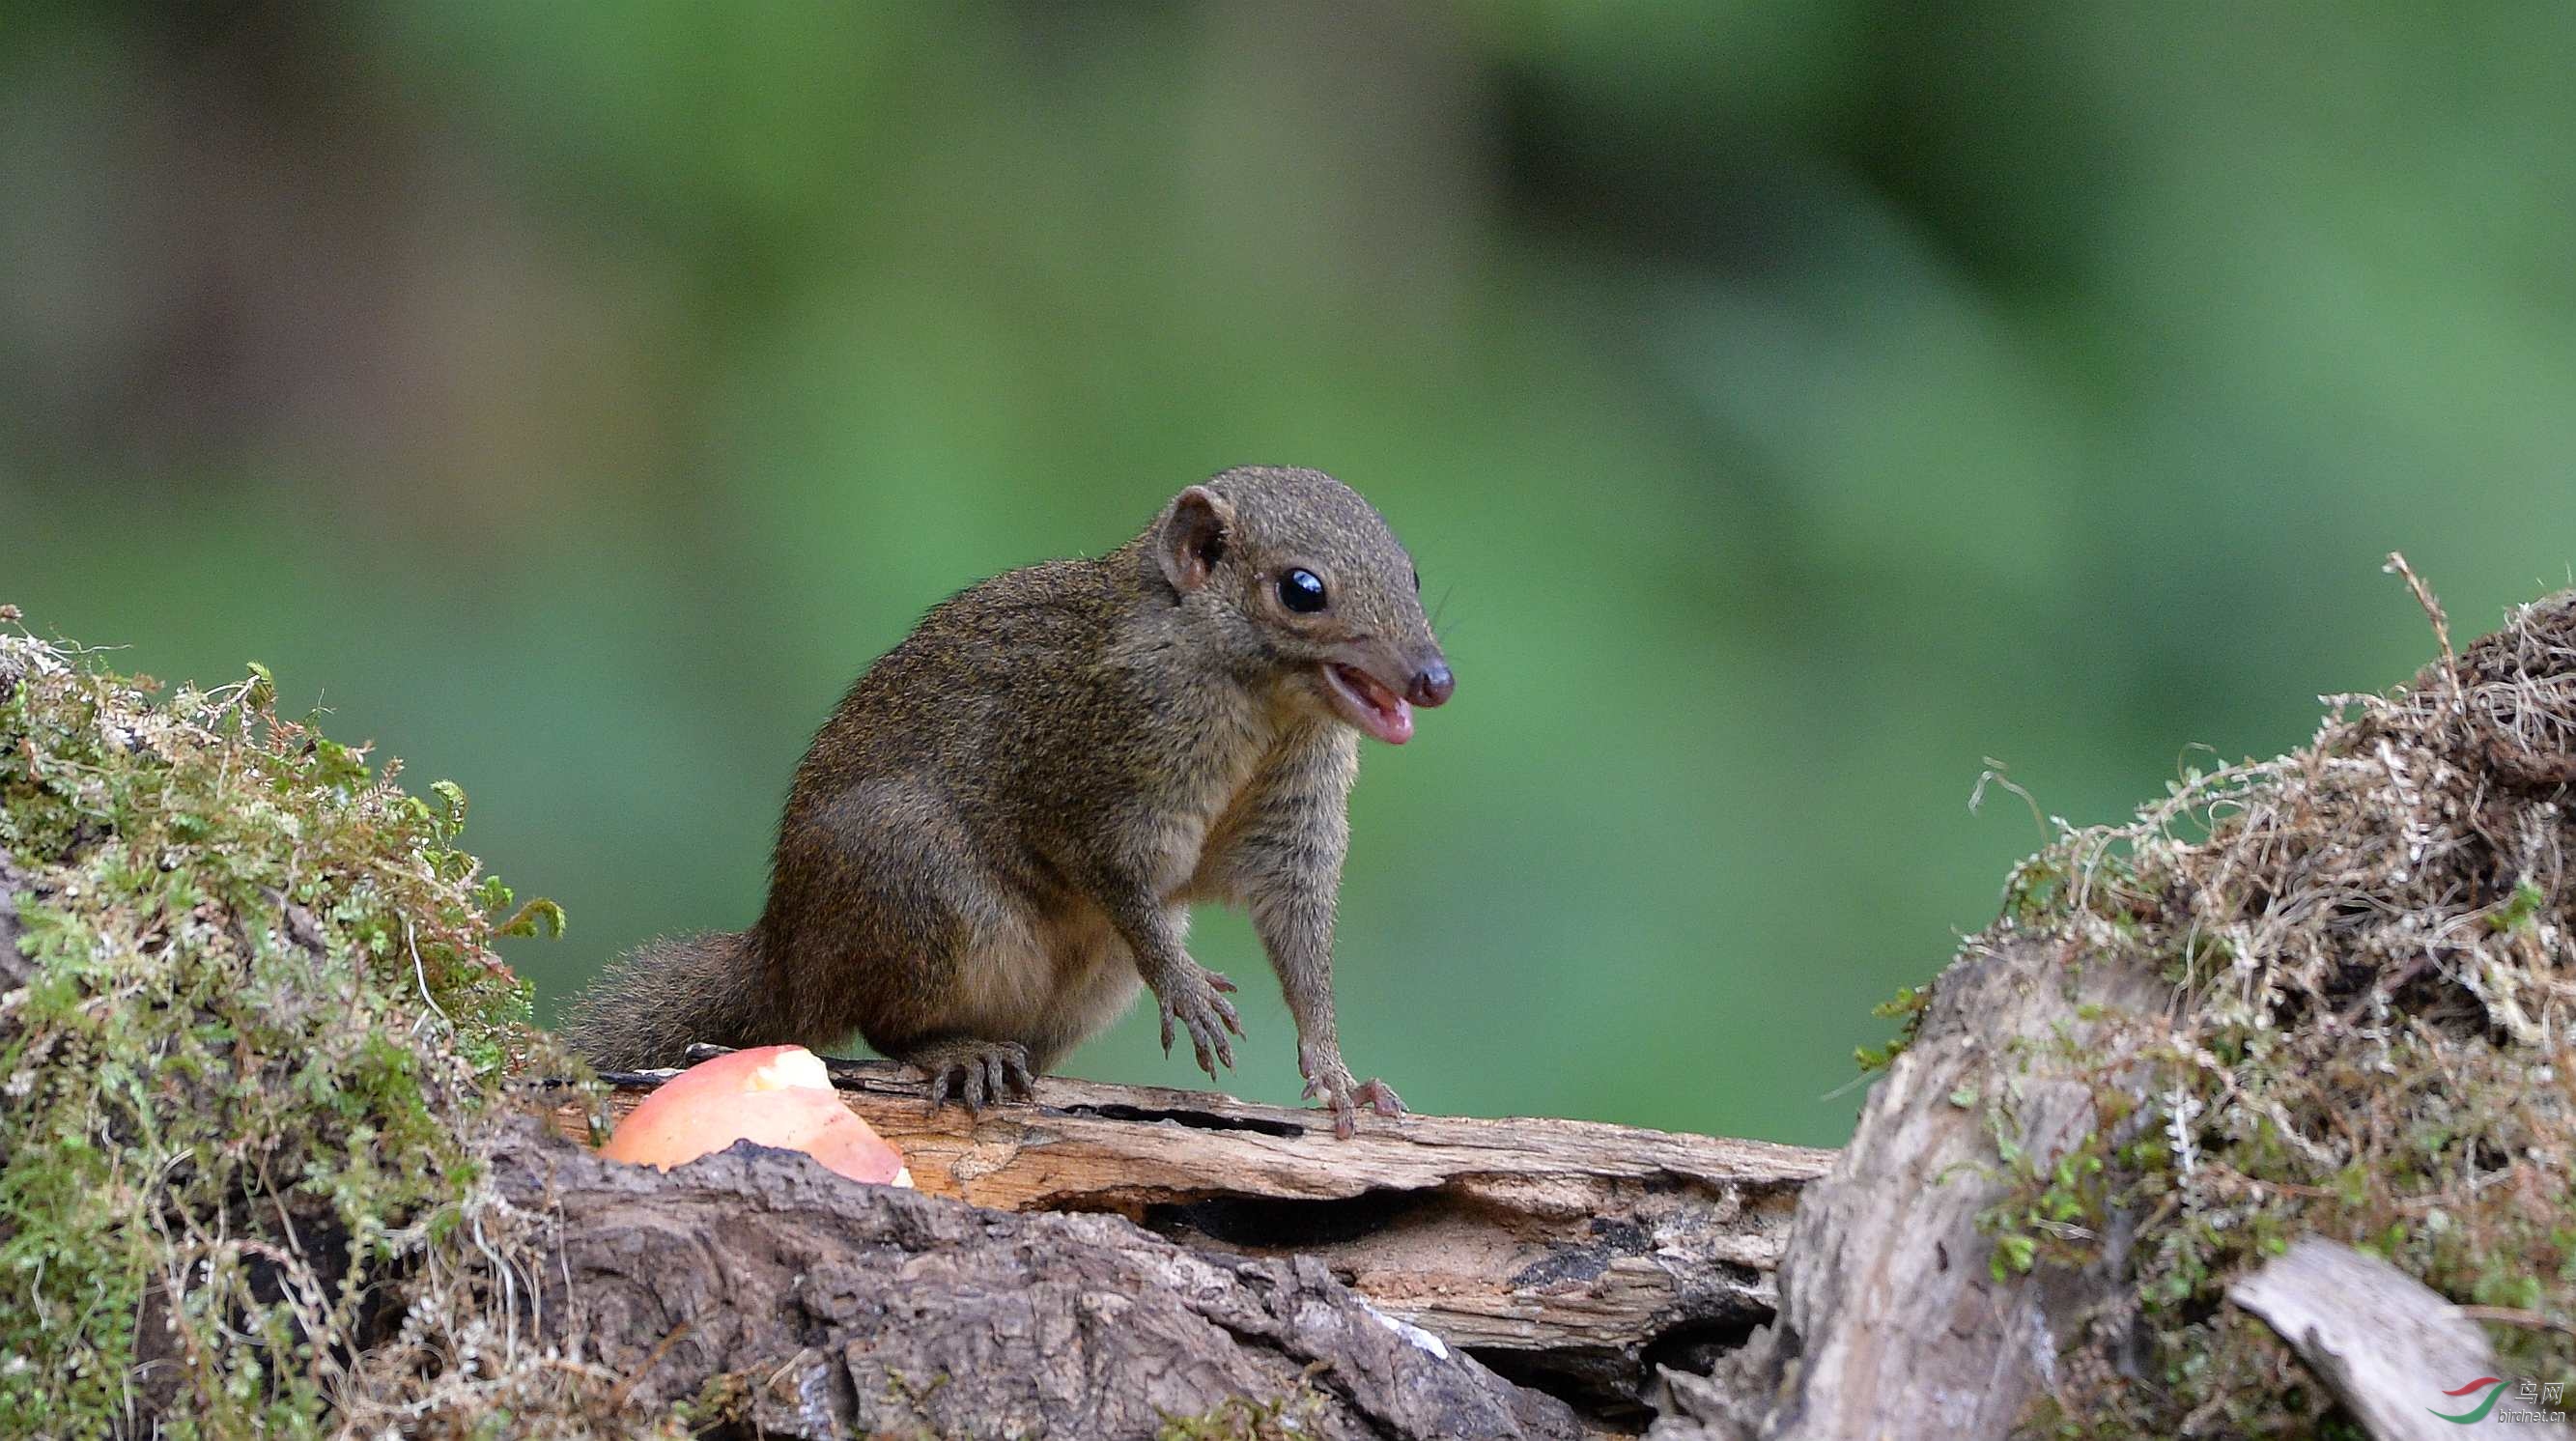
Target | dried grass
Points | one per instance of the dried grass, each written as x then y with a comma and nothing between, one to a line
2372,948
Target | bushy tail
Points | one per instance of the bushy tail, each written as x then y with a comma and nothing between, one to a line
651,1003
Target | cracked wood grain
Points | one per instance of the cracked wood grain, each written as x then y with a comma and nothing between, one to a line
1571,1254
833,1308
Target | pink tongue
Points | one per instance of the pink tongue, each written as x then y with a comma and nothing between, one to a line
1394,727
1383,713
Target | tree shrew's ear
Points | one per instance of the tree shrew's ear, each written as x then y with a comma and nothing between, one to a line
1195,536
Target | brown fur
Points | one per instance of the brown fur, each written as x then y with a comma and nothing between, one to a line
995,839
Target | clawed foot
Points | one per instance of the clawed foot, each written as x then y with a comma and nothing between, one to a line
1329,1081
974,1072
1191,998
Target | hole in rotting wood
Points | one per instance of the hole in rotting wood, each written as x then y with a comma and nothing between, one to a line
1599,1382
1698,1346
1608,1385
1265,1224
1195,1120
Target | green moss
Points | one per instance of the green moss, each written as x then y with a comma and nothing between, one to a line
1906,1009
248,1073
1240,1418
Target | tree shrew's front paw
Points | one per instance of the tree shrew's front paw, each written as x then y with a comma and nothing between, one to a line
1329,1081
1189,994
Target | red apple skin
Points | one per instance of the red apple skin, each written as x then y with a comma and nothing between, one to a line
735,1097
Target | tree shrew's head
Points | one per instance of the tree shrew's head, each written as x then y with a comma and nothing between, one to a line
1301,577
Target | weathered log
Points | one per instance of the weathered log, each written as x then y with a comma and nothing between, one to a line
819,1307
1569,1254
2387,1344
1891,1325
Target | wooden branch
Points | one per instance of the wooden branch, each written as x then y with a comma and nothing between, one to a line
1568,1253
2391,1348
797,1303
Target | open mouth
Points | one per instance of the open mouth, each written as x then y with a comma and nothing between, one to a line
1365,703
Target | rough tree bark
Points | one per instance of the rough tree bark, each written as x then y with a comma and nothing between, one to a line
1571,1255
832,1309
1891,1325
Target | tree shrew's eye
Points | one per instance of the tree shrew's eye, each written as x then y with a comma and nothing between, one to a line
1301,592
1417,580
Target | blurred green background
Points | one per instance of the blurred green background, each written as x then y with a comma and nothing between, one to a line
1794,405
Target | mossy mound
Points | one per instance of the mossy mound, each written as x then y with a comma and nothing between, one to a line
254,1043
2372,943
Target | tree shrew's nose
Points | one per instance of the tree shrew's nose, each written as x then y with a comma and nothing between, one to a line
1432,684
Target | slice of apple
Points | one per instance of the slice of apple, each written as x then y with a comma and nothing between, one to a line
772,1096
